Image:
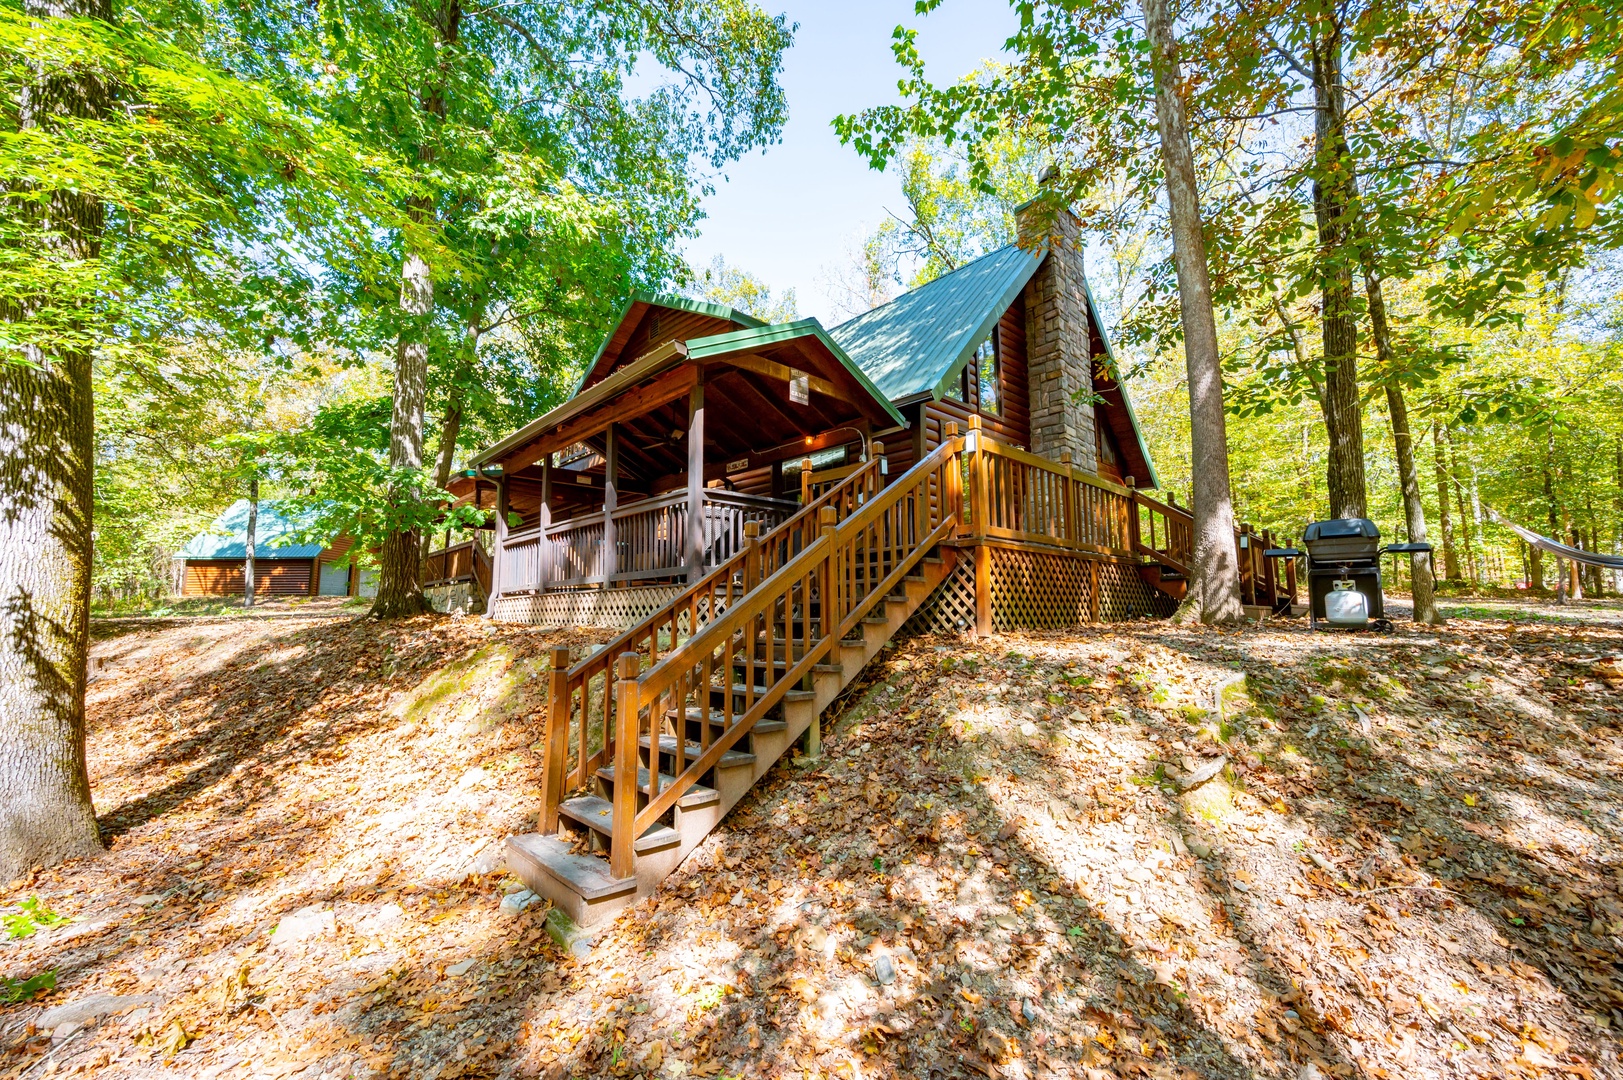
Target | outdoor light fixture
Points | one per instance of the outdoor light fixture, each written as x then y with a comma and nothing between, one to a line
971,441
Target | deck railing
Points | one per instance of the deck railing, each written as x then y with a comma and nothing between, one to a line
581,700
650,541
775,634
1015,495
467,561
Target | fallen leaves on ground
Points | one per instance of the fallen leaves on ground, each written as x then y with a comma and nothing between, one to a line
1090,853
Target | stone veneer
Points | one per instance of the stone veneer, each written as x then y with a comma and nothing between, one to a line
1059,340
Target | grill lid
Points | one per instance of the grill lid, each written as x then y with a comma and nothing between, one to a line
1341,529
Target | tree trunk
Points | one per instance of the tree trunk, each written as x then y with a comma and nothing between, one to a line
1332,204
1451,557
248,549
46,481
1535,569
1421,586
1466,535
456,399
400,590
1617,517
400,562
1215,585
1553,512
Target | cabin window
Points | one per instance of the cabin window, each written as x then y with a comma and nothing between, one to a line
959,391
989,371
1109,452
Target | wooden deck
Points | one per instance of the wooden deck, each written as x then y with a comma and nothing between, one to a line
644,541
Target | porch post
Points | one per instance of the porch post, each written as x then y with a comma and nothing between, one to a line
499,556
543,572
694,554
611,502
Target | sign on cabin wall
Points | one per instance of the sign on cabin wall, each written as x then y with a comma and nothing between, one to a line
799,387
738,466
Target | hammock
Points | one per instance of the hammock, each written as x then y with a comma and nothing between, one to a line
1544,543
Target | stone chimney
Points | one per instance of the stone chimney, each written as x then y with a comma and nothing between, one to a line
1059,338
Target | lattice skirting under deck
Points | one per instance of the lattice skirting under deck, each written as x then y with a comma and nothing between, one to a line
610,609
1039,590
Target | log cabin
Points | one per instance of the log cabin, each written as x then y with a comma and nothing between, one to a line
211,563
753,511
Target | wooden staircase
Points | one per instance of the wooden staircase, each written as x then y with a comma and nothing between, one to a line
1170,542
702,699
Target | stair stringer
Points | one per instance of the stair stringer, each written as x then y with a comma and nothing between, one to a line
580,885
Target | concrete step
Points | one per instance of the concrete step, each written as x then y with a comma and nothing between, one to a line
597,814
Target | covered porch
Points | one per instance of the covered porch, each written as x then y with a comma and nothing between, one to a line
647,478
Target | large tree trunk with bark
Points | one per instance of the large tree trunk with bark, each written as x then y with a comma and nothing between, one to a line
1332,205
1421,586
400,563
46,479
1451,558
400,590
1215,586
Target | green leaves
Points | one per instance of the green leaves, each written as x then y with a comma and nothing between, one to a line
29,917
17,991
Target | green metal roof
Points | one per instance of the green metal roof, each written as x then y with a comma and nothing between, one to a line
763,335
666,300
911,345
227,538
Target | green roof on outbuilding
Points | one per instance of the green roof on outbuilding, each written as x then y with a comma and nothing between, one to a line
913,344
227,538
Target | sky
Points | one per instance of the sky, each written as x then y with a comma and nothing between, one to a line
790,213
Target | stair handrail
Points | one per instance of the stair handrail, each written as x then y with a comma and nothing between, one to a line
643,638
1259,579
1170,512
826,564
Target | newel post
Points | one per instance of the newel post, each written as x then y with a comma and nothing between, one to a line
693,553
1067,504
1132,532
952,499
498,546
622,844
611,503
543,542
557,744
979,497
805,481
752,554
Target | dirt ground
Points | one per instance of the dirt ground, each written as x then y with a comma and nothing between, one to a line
1123,851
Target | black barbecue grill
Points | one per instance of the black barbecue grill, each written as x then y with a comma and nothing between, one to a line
1344,571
